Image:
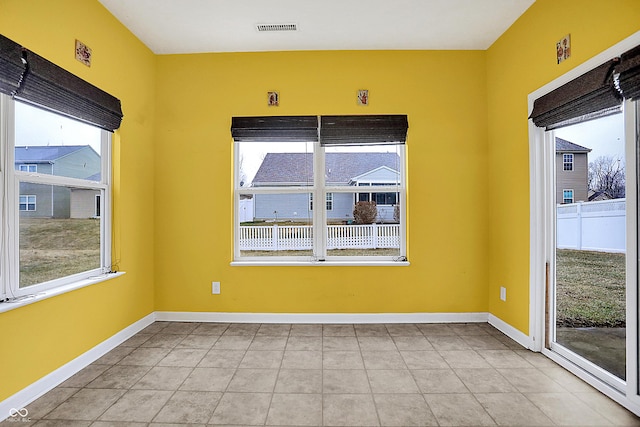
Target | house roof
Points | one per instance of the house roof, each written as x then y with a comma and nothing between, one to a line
45,154
564,146
340,168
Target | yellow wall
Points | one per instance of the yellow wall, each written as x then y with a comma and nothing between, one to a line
521,61
43,336
443,94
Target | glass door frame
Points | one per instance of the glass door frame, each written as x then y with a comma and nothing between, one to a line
543,242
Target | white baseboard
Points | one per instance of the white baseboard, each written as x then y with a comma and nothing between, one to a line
325,318
519,337
48,382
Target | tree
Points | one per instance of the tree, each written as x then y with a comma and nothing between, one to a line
365,212
606,174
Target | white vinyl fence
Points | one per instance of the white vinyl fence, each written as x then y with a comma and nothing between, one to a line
300,237
592,226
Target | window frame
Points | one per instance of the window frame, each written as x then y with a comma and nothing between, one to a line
567,165
564,198
10,179
27,203
319,190
27,168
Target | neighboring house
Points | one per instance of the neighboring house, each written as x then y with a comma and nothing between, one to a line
52,201
572,169
341,169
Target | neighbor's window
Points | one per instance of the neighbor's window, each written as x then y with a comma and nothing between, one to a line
61,164
567,196
281,180
567,162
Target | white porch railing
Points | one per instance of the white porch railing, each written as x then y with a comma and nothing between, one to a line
300,237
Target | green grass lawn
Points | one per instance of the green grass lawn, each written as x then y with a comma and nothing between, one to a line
590,289
54,248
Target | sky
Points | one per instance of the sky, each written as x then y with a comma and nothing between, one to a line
604,136
36,127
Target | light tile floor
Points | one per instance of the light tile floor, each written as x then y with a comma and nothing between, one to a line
332,375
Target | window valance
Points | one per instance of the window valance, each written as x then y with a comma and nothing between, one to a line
39,82
329,130
594,94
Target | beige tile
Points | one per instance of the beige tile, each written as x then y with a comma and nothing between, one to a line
512,409
208,379
485,342
136,340
464,359
183,357
566,409
47,423
403,410
507,359
114,356
531,381
377,344
306,330
233,342
345,381
262,359
222,359
424,360
448,343
438,381
253,380
338,331
189,407
468,329
274,330
242,408
198,341
163,378
299,381
304,343
342,360
484,381
383,360
48,402
144,356
434,329
340,344
609,409
567,380
125,424
268,343
403,330
371,330
302,360
119,376
538,360
212,329
246,329
412,343
155,327
163,340
392,381
180,328
137,405
295,410
458,410
86,404
85,376
349,410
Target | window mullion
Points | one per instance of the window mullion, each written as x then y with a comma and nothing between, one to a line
320,206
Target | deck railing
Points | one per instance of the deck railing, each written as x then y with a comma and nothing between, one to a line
300,237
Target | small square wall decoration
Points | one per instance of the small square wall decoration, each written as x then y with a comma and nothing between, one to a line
273,99
563,48
363,97
83,53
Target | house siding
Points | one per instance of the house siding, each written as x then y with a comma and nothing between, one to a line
83,203
576,180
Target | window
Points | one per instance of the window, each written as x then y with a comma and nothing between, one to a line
567,196
567,162
28,203
98,201
28,168
284,178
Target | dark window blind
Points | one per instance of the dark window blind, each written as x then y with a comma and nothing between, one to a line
363,130
46,85
275,129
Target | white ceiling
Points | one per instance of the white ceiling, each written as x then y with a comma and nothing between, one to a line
191,26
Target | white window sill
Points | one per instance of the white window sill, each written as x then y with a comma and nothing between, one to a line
21,301
253,263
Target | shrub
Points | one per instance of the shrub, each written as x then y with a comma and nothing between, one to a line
396,213
365,212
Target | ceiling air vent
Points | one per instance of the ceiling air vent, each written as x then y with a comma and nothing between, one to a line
277,27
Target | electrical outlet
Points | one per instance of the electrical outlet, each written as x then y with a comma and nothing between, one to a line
215,288
503,293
